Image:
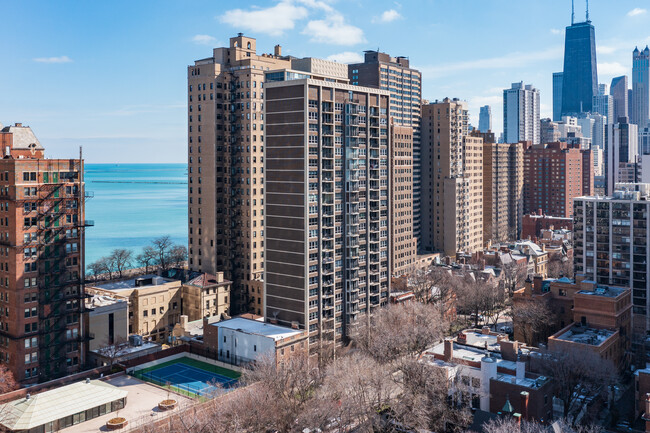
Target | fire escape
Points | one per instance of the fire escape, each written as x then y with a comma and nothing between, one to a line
60,264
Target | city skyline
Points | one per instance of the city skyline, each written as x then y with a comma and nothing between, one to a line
60,78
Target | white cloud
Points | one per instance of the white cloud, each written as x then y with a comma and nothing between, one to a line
204,40
605,49
508,61
60,59
334,30
346,57
274,20
556,31
612,68
636,11
388,16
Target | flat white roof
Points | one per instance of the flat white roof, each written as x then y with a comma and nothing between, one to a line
130,283
24,414
259,328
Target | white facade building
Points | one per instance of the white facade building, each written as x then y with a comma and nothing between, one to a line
521,113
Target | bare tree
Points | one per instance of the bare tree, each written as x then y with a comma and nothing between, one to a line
360,387
107,265
147,258
113,352
7,381
177,255
480,297
431,285
560,266
514,275
532,320
423,403
121,259
400,330
509,425
96,269
162,246
285,387
577,375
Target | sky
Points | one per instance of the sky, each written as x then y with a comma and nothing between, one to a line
111,75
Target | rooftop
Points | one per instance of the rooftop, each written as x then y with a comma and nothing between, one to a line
97,301
23,137
585,335
609,292
27,413
206,280
258,328
139,283
141,405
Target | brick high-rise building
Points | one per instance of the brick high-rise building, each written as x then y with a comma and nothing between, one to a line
327,201
403,244
42,328
225,167
503,190
452,180
554,174
404,83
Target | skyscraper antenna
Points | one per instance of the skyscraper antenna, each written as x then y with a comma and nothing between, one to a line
572,13
587,10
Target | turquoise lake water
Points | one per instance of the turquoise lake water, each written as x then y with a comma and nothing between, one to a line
130,209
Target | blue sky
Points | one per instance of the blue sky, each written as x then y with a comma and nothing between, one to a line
111,76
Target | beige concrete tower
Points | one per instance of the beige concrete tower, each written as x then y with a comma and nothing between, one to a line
503,189
403,244
452,180
225,167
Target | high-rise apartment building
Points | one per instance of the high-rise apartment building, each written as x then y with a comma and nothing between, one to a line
380,70
580,78
521,113
327,202
558,77
618,90
611,241
640,112
403,245
43,333
452,180
503,190
603,104
225,167
621,153
554,174
485,119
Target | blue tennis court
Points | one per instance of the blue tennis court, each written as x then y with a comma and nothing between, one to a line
190,379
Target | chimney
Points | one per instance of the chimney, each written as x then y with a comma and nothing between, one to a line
277,50
449,349
521,367
485,330
295,325
183,321
524,404
19,125
543,248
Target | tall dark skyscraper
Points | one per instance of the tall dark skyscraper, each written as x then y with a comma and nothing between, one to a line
580,78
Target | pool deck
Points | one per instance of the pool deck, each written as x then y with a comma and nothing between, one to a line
141,406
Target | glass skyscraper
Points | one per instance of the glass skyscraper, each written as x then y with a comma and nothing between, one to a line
580,78
558,77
